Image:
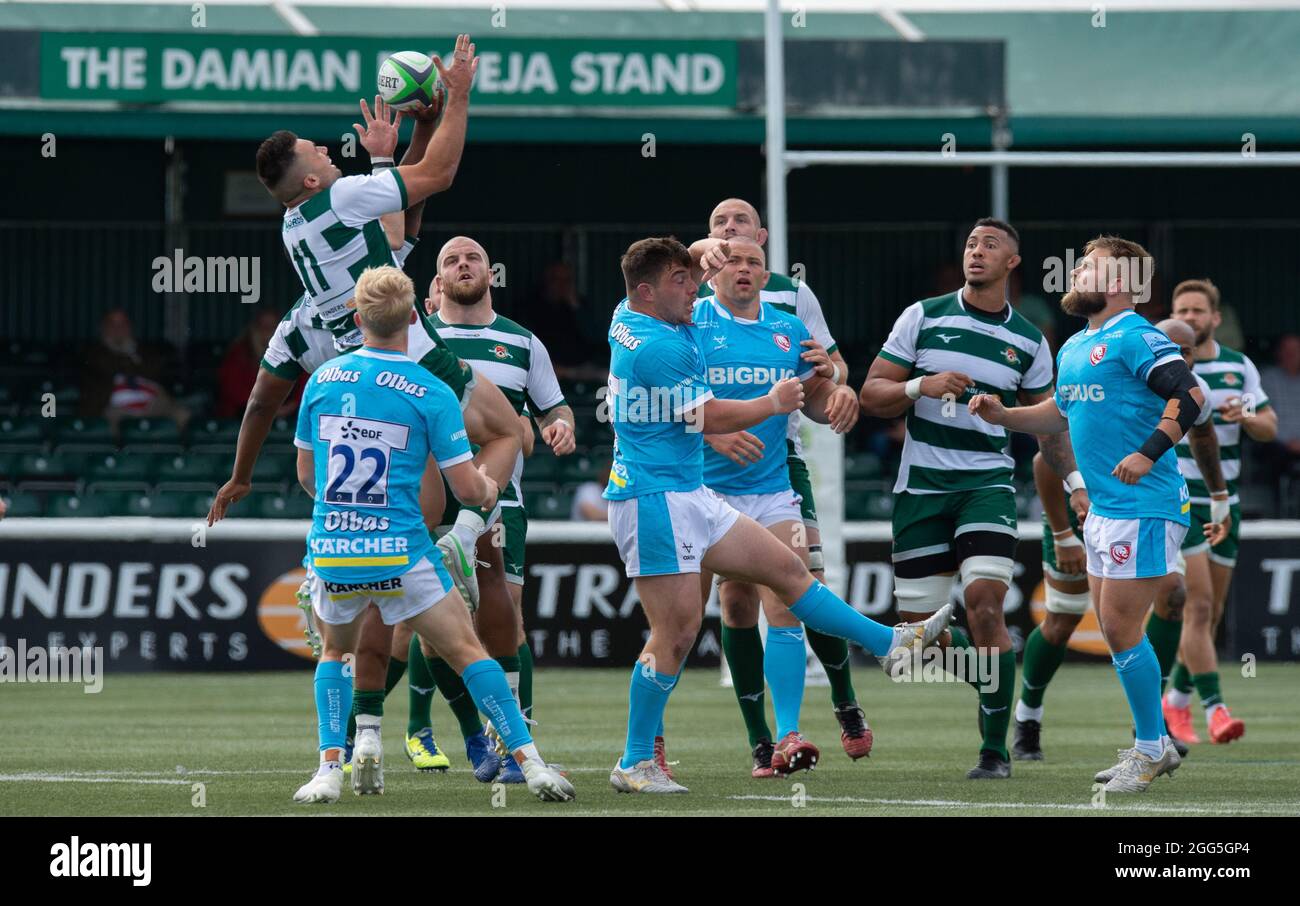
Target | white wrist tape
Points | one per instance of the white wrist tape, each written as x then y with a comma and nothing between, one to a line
835,373
1220,509
1074,482
1070,540
381,162
562,421
913,388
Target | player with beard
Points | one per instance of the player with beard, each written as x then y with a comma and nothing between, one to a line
1239,403
1064,574
517,362
955,508
1116,379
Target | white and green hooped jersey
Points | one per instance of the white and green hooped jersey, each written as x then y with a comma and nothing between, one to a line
301,342
797,298
794,297
510,356
335,235
947,449
1230,375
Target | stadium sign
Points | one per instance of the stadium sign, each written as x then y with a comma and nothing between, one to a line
256,69
230,605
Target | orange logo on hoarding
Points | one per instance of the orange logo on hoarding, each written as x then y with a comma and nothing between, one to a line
278,614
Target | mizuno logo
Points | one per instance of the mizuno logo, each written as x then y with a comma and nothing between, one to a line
721,341
988,710
423,690
948,339
752,697
1007,519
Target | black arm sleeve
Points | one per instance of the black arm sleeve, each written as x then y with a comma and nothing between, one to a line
1173,382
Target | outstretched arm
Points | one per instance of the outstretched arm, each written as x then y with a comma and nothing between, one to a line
1041,418
269,394
436,170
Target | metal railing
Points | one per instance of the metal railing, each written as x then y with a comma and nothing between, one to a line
58,278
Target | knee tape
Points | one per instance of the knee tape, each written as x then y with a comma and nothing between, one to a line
815,559
922,595
1000,569
1063,602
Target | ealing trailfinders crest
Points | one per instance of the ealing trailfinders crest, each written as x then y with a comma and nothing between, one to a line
1231,379
782,341
1011,356
1098,353
500,351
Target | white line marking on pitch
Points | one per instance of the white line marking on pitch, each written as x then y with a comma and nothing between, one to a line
1074,806
64,778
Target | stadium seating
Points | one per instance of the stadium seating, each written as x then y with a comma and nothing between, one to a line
83,431
24,505
149,431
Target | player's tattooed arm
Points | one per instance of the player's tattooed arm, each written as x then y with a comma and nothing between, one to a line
1204,444
1058,455
557,430
887,391
269,394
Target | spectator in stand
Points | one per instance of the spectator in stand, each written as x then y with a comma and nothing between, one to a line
555,316
122,377
238,371
589,503
1281,382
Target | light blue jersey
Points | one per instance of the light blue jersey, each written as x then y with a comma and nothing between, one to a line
656,382
744,360
372,419
1101,388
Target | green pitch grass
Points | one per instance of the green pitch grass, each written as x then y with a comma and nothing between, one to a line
141,745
